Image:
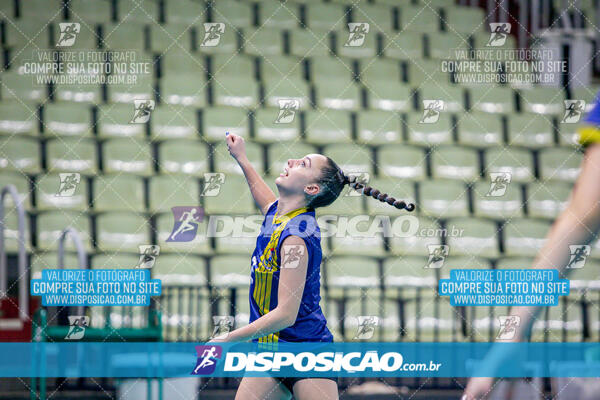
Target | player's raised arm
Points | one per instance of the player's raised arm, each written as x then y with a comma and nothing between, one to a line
263,195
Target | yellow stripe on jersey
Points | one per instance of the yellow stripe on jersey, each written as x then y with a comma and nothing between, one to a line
588,135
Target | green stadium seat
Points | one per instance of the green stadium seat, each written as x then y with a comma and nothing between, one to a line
227,42
268,130
547,199
396,188
351,157
245,236
464,20
49,260
423,72
121,232
263,41
399,161
119,192
143,88
379,70
123,36
478,237
114,121
347,205
114,260
22,88
226,66
322,69
133,11
279,153
20,154
378,127
325,16
180,269
276,15
167,191
514,263
17,118
453,96
444,198
185,12
90,11
517,162
346,48
177,61
52,9
21,182
72,155
225,163
532,131
507,206
171,36
429,134
543,100
419,19
454,162
173,122
524,237
28,35
568,134
236,92
183,156
50,225
87,37
379,17
233,197
47,194
199,245
338,94
411,236
232,271
67,120
218,120
324,127
11,232
85,93
309,43
8,9
274,69
493,100
404,45
479,129
444,45
389,96
183,89
482,38
560,164
128,156
232,13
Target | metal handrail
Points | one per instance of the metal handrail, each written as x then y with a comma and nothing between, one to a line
81,253
23,300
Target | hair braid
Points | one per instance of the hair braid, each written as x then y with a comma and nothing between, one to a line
376,194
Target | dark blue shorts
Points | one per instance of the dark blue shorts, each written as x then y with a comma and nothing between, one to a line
290,382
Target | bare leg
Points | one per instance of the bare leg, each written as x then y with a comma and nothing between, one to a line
314,388
261,388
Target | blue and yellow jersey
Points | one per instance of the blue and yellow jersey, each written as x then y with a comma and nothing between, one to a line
589,132
310,325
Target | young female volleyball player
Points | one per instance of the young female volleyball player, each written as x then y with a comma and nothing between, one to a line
284,296
578,224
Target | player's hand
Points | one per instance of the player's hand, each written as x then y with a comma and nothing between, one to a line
478,388
236,146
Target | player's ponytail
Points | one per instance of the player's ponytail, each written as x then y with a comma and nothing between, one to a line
376,194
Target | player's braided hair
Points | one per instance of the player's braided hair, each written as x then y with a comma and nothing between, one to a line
332,183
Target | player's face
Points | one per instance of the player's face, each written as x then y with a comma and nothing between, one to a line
300,175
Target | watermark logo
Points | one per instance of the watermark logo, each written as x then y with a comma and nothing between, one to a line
431,111
68,183
499,183
207,359
212,33
142,109
358,33
77,325
508,326
499,33
366,326
573,111
222,325
186,223
437,255
287,110
579,254
291,255
148,254
68,33
212,183
361,177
